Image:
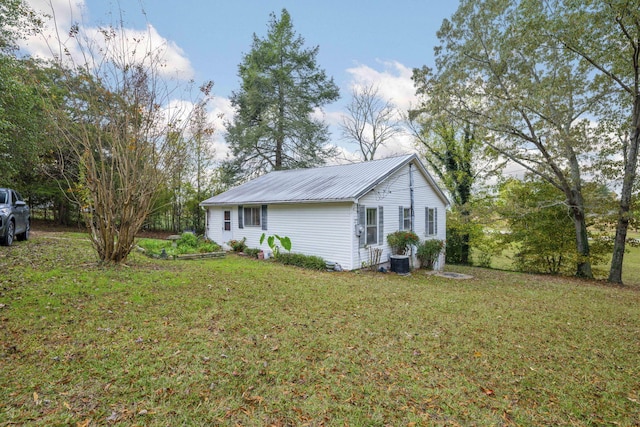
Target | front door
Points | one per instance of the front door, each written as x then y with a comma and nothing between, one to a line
227,233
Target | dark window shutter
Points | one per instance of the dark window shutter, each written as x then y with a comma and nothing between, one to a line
401,216
426,221
264,217
240,220
380,226
435,220
362,221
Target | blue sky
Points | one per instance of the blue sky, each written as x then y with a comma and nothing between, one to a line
361,42
215,34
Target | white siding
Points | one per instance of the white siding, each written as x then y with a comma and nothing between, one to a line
322,229
393,193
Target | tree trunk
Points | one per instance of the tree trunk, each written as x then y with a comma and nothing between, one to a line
465,247
583,267
631,162
577,212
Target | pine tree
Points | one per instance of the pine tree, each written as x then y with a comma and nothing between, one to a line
274,126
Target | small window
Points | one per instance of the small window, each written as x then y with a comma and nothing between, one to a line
372,226
431,225
227,220
406,218
252,216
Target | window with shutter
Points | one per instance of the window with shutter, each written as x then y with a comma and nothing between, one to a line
431,221
404,216
252,216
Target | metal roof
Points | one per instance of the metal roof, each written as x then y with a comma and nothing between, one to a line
324,184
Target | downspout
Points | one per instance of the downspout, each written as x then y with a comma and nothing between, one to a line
206,223
356,223
411,200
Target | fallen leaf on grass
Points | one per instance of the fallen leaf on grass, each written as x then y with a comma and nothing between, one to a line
487,391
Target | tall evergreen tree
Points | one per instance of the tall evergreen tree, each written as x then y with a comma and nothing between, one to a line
274,126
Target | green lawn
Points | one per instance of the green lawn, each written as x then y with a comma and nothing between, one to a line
237,341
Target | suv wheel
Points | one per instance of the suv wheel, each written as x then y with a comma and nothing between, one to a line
8,239
25,234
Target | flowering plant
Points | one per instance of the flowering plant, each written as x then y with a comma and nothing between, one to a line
401,240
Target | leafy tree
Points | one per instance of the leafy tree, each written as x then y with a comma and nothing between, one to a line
449,154
454,152
497,71
17,20
371,121
274,125
605,36
540,227
21,123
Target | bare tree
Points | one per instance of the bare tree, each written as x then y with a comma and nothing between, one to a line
371,122
118,124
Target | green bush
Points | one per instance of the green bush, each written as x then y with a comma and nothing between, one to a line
541,230
238,245
209,246
252,252
400,240
187,241
428,252
300,260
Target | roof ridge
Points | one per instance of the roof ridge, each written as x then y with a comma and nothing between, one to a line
360,163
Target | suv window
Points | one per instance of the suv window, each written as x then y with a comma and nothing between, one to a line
15,197
3,197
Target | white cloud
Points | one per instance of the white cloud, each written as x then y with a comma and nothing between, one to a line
393,81
55,41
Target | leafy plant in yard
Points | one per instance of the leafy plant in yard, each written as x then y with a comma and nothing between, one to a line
188,243
275,248
252,252
401,240
300,260
428,252
238,245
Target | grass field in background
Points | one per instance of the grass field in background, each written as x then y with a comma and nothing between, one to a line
630,272
237,341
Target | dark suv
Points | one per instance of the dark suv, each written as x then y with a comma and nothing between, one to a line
14,217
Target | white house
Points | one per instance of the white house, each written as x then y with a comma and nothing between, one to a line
335,212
